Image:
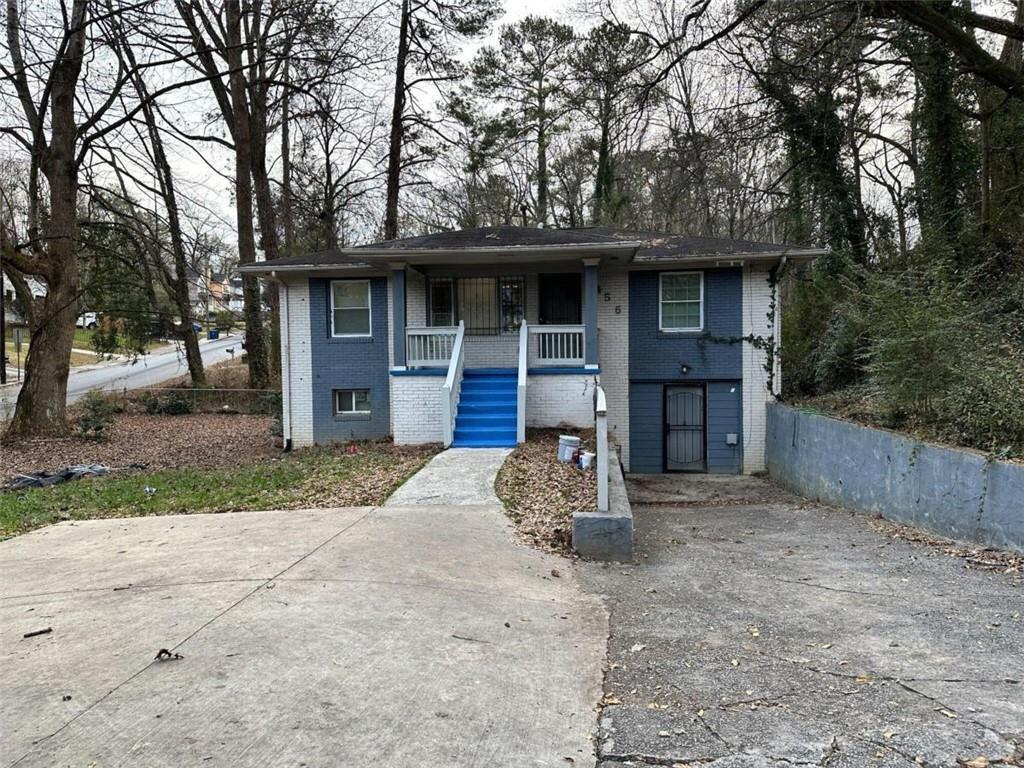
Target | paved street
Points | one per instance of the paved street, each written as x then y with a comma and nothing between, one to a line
391,636
146,371
761,630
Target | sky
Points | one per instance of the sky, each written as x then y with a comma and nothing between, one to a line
206,175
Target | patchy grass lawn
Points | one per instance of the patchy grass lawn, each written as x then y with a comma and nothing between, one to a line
199,463
77,358
541,493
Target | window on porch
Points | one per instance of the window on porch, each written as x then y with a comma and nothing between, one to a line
487,305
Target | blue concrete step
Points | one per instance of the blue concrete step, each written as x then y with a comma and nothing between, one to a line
480,435
483,398
484,442
477,372
487,409
486,419
489,382
482,395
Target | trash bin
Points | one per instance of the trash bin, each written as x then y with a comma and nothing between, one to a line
213,333
568,445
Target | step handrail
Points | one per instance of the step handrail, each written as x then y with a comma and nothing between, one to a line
524,345
453,385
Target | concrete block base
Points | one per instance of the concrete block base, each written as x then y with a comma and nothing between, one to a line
607,535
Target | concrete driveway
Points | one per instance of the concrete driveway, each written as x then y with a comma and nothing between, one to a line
398,636
760,630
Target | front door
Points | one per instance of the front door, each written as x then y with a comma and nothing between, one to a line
561,299
684,429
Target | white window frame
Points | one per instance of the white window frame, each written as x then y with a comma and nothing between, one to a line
369,310
337,396
661,278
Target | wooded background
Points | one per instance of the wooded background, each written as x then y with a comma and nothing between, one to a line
890,131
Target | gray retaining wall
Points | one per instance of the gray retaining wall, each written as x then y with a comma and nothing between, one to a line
954,493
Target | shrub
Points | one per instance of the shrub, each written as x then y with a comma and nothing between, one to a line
97,416
224,319
174,404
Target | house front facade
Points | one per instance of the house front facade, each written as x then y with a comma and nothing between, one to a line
468,338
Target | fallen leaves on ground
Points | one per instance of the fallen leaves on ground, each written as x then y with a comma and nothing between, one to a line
230,374
541,493
974,557
378,467
209,441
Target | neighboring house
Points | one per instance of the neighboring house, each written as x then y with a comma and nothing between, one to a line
431,339
11,314
235,300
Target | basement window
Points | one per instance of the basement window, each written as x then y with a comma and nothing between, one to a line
352,403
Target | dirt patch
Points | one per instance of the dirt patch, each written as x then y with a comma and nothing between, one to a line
159,442
541,493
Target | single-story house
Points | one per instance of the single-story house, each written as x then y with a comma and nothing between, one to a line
469,337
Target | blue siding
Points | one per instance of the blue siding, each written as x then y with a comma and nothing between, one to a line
647,426
725,407
349,364
655,358
655,355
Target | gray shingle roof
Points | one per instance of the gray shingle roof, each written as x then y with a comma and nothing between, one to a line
654,246
494,237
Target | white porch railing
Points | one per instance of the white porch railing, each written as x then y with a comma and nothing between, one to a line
453,384
601,427
524,338
558,345
429,347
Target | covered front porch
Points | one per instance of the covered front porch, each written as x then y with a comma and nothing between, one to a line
498,347
548,309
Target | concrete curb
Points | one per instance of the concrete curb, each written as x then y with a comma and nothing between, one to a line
607,535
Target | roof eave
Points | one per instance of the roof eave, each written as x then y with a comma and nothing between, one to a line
422,255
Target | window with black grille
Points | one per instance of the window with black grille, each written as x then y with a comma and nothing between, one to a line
487,305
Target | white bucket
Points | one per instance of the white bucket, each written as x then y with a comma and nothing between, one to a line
567,446
587,460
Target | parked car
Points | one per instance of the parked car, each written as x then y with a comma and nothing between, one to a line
88,320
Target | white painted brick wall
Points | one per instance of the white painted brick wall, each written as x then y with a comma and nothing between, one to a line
553,401
297,360
416,410
614,349
492,351
415,299
756,305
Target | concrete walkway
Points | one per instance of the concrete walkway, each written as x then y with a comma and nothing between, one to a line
455,477
347,637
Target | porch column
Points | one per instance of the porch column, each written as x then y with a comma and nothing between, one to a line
590,312
398,313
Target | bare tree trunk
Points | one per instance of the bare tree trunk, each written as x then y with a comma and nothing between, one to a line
287,221
397,128
542,164
267,219
179,280
41,409
255,339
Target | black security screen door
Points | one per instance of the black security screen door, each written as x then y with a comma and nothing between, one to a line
561,299
684,429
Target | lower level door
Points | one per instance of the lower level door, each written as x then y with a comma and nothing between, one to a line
684,429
